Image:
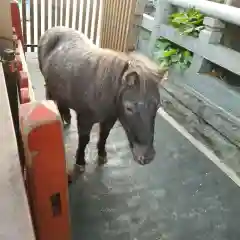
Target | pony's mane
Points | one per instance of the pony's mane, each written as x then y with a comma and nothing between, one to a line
112,63
147,69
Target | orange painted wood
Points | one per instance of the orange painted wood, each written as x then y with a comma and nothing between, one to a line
47,183
22,59
19,62
23,79
25,98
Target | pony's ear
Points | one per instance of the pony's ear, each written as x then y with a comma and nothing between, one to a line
131,78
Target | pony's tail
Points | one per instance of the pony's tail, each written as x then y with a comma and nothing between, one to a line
47,44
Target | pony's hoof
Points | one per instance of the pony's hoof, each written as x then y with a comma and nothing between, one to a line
76,172
67,118
66,125
68,121
69,179
79,168
102,160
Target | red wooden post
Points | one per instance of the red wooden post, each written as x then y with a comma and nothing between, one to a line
25,98
23,79
16,20
25,84
47,182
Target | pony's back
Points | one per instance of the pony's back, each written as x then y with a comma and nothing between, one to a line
55,36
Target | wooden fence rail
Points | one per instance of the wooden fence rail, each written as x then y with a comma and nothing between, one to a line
116,21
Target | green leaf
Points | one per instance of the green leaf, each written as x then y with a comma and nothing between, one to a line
188,30
175,58
188,22
199,28
171,55
164,64
169,52
162,44
186,53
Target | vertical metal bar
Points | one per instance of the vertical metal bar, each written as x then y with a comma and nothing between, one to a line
96,21
46,14
103,23
94,12
90,18
24,23
58,3
109,25
77,15
99,23
64,12
71,13
106,18
53,13
39,8
84,15
32,24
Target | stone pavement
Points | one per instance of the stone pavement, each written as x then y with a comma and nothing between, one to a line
181,195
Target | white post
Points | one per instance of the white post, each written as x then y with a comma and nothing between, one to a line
163,9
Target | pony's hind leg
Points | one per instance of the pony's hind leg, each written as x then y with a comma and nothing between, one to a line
63,110
105,128
65,113
84,128
48,95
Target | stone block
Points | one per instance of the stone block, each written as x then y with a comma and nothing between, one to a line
213,23
208,36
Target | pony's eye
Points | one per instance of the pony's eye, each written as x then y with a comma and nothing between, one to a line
129,108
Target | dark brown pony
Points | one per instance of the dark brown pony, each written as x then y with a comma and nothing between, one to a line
101,86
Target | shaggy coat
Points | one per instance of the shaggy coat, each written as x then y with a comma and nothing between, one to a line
101,86
94,76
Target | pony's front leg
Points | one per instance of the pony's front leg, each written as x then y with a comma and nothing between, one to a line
105,128
84,129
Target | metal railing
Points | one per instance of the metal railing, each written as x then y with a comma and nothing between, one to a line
220,11
40,15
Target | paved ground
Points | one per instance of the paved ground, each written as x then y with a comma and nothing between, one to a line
181,195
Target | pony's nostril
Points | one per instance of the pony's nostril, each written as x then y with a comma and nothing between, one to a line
141,159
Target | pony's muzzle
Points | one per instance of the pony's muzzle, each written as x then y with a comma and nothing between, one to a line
142,154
